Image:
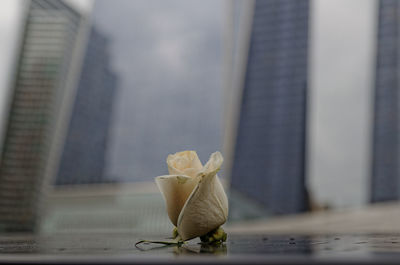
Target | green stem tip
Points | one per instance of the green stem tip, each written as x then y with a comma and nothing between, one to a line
167,243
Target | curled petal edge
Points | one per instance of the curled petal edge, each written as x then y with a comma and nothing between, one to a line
207,206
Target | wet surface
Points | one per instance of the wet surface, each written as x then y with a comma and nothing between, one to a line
363,247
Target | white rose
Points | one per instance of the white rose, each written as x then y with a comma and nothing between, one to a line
196,201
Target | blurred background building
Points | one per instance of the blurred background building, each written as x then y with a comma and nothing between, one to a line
83,158
385,182
270,149
44,78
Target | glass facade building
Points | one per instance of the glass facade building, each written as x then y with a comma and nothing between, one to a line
385,182
43,72
84,156
269,157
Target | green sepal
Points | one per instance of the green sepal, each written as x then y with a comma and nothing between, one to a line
216,236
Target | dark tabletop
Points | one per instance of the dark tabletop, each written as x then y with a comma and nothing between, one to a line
268,249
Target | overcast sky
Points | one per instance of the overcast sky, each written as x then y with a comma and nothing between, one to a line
168,56
10,23
341,86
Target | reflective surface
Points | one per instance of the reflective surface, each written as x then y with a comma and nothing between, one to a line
120,247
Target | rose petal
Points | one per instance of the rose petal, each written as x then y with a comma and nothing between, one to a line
175,189
207,206
184,163
213,164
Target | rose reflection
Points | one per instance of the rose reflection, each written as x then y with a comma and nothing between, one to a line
186,249
210,249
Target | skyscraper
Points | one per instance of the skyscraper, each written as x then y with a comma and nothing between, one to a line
385,181
83,158
44,81
269,154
